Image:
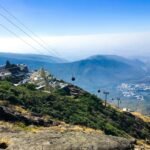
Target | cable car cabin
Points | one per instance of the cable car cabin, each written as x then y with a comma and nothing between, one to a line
99,91
73,78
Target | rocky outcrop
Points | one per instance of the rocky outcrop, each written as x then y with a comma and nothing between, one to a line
53,135
56,139
8,114
73,90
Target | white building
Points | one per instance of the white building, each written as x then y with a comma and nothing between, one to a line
4,74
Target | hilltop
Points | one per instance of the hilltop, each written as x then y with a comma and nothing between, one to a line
34,61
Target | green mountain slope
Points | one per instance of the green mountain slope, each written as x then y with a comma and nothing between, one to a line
76,106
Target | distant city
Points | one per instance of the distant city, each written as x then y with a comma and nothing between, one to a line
134,90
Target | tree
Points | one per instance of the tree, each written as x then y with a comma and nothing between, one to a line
43,73
8,64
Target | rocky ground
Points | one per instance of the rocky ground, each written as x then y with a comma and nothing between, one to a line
22,130
61,137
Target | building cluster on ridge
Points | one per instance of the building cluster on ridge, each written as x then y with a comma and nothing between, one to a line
19,74
16,72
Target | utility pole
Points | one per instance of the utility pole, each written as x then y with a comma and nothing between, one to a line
119,101
106,94
138,104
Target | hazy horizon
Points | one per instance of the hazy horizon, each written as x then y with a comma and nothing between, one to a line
76,29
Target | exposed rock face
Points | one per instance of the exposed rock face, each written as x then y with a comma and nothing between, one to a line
8,114
72,90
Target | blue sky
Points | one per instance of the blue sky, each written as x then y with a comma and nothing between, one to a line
59,18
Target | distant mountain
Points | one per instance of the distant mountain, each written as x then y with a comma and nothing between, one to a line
100,71
92,73
146,60
34,61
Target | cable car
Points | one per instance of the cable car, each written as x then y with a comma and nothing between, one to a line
73,78
99,91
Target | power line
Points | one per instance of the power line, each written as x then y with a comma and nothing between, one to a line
27,28
19,37
11,22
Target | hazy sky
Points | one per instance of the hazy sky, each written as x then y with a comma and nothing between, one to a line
77,28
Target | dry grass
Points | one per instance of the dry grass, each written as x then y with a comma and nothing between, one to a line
7,125
17,108
141,144
139,115
21,110
18,126
4,103
84,129
63,127
5,141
